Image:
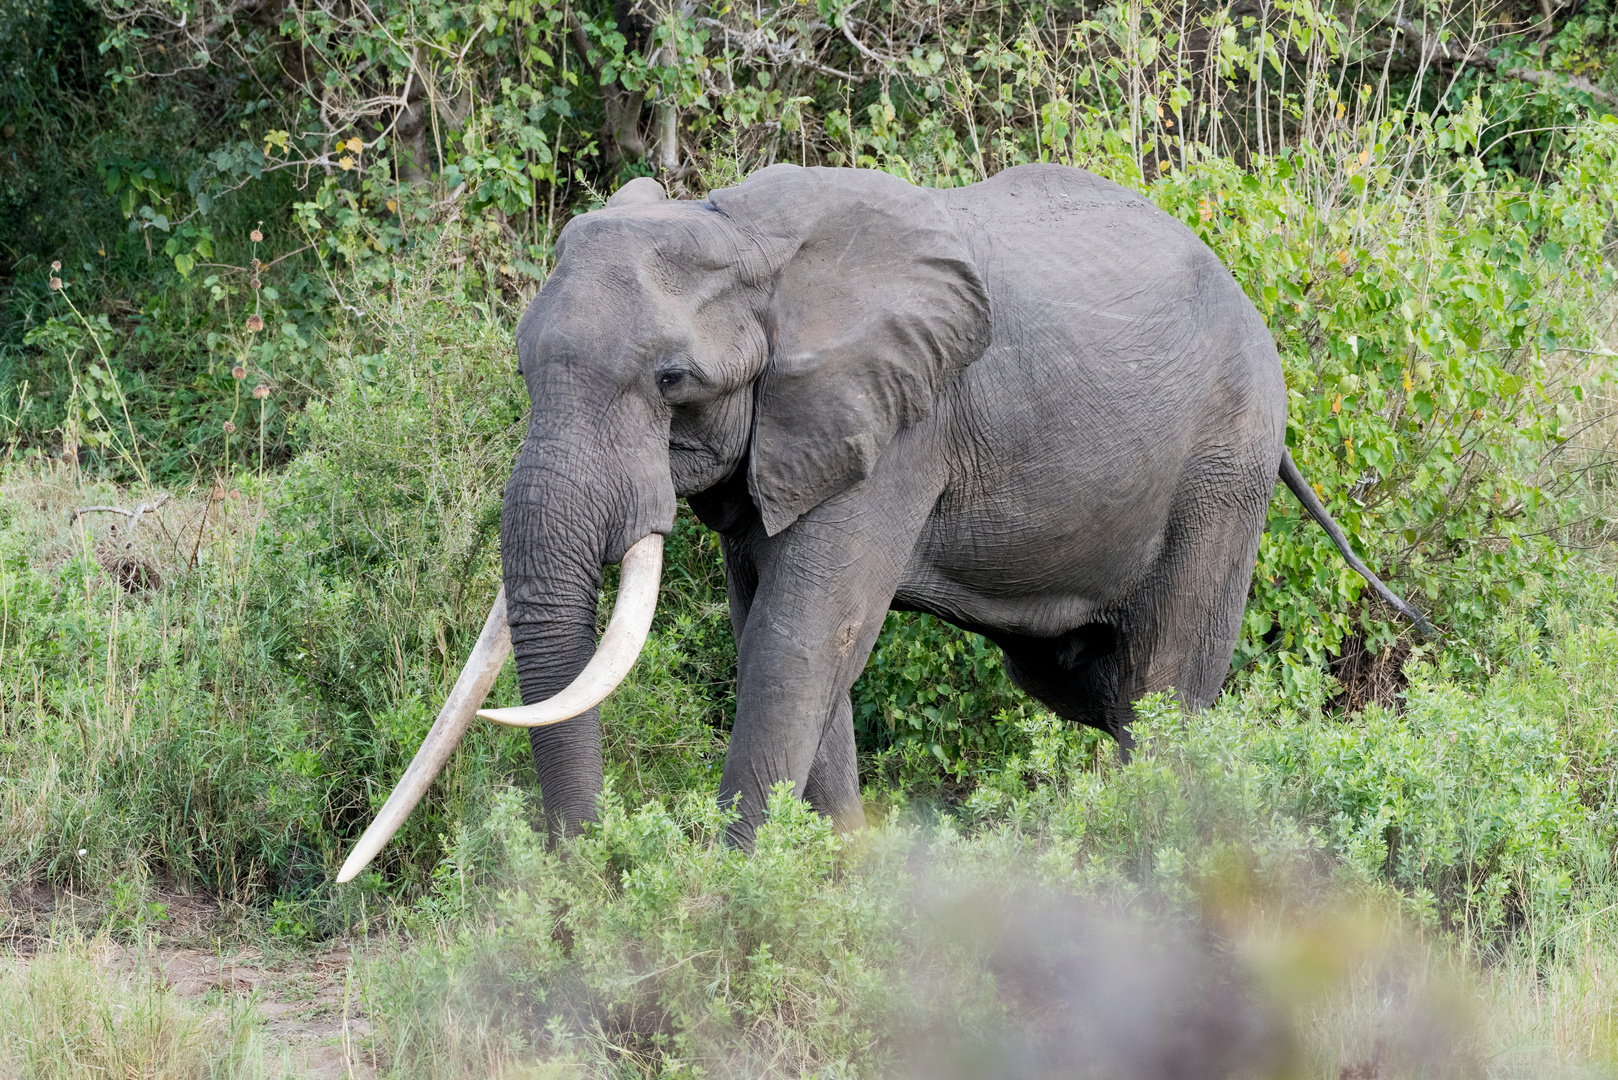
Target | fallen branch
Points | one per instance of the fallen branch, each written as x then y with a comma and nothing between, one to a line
133,515
75,515
134,519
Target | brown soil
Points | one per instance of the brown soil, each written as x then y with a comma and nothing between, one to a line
312,1023
32,912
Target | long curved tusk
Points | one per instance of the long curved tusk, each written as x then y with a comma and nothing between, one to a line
620,645
488,656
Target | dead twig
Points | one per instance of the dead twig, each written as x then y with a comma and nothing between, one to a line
133,515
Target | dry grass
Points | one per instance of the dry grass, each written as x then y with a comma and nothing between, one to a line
1564,1014
66,1016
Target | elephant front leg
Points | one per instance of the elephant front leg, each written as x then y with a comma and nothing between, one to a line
833,787
823,589
833,784
798,659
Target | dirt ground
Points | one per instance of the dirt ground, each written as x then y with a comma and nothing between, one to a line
311,1022
314,1026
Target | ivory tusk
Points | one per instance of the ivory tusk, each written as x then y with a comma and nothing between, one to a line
615,655
620,646
488,656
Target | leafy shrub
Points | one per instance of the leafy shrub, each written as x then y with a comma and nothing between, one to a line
648,943
932,689
1418,333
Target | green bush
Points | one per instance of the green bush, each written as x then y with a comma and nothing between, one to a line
647,944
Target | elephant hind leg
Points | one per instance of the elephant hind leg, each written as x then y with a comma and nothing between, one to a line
1184,629
1177,632
1181,628
1075,675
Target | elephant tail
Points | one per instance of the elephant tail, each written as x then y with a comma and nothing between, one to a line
1311,502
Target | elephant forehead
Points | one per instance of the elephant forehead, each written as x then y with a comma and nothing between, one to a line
584,308
596,330
676,243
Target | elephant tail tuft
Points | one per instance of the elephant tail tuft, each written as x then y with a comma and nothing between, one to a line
1311,502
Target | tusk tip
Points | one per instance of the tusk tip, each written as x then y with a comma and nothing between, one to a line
357,861
528,715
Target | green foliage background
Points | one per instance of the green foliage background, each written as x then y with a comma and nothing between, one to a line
264,259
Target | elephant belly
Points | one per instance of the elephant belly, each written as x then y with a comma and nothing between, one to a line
1070,472
1038,574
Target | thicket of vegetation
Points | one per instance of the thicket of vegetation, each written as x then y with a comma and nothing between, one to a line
262,264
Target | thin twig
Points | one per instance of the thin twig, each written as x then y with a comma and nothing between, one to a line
133,515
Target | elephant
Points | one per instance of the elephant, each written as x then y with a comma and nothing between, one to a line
1036,406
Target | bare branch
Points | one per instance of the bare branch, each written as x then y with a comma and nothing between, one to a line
134,515
1551,78
780,53
1476,55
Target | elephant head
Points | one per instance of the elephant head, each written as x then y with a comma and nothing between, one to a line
788,327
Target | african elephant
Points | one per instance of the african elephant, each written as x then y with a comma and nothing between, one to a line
1037,407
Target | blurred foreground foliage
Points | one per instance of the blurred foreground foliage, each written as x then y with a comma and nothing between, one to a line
1068,890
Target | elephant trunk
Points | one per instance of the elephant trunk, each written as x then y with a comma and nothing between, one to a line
554,525
611,660
588,489
545,612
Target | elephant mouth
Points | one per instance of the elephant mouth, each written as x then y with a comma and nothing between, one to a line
620,646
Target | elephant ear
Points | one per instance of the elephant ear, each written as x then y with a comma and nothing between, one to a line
876,308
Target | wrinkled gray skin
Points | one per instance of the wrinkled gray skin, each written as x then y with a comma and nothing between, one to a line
1037,407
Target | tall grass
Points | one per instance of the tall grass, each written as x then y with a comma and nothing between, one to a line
67,1015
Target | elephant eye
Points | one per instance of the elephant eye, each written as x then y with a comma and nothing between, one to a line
670,378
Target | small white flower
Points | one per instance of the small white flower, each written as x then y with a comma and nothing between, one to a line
83,852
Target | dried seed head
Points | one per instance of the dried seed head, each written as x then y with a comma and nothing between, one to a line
255,323
56,265
258,237
255,282
238,373
261,391
56,284
230,428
